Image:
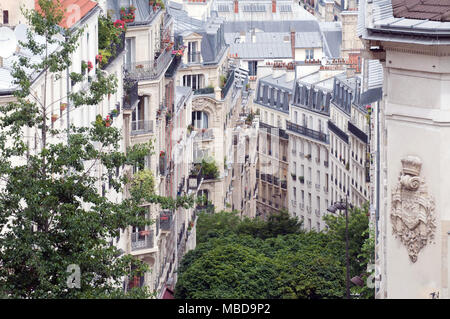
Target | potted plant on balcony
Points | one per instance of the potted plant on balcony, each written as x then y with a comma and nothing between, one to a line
114,113
162,154
108,121
294,176
144,233
62,106
308,156
54,117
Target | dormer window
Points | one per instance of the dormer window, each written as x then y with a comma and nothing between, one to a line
193,53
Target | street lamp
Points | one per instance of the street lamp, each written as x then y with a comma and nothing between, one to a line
332,209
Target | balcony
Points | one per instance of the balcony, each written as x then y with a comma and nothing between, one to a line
228,85
294,203
173,67
302,130
141,127
325,163
204,135
284,184
336,130
130,96
166,220
308,209
318,187
204,91
209,208
357,132
148,70
142,240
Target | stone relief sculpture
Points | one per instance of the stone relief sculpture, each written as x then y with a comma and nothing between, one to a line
412,215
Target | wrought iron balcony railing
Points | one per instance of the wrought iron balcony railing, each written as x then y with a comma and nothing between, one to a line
142,240
166,220
148,70
320,136
141,127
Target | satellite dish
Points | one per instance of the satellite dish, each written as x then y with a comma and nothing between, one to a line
21,33
8,42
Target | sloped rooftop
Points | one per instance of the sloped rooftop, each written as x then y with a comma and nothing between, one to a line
436,10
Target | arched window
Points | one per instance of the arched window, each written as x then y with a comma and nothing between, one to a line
199,119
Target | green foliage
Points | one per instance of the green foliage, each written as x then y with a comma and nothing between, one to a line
209,169
143,181
241,266
282,261
358,224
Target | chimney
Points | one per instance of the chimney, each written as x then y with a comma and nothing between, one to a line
274,6
293,42
236,6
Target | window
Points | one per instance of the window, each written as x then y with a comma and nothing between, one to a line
5,17
252,68
194,81
199,119
295,117
193,55
130,57
309,54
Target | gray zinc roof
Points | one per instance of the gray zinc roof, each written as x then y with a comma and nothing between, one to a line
261,50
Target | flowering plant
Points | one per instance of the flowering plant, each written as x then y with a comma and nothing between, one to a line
162,153
119,24
99,58
90,66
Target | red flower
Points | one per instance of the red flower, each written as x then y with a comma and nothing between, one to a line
99,58
162,153
119,24
90,66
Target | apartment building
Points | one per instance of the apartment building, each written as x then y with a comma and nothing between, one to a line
412,223
259,10
272,104
309,160
218,87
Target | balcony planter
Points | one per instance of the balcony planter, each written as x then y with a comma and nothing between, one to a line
301,179
294,177
63,106
144,233
108,121
162,154
54,117
308,156
347,166
114,113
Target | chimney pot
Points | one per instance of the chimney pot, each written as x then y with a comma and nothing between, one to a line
236,6
274,6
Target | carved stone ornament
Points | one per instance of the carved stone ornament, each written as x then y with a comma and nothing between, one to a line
412,215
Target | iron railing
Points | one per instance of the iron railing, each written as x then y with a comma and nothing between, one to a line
141,241
320,136
228,84
336,130
166,220
141,127
148,70
207,90
131,95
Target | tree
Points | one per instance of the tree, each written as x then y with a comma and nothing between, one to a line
358,225
51,213
281,262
